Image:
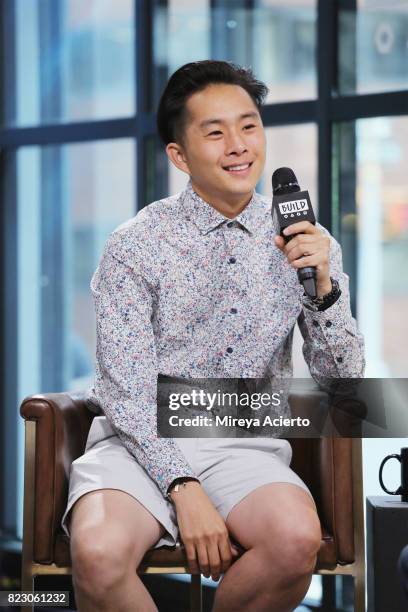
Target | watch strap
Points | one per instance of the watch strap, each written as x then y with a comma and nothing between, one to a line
325,301
177,482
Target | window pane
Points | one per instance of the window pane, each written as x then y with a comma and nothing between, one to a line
276,38
373,46
181,34
73,60
284,48
69,199
376,235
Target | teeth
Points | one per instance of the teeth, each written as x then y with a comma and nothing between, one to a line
242,167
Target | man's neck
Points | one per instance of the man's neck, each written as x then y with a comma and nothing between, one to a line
229,207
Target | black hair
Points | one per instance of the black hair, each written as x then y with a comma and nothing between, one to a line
194,77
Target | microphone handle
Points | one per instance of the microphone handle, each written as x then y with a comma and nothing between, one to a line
307,277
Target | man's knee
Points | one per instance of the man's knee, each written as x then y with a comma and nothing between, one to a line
294,550
101,560
302,549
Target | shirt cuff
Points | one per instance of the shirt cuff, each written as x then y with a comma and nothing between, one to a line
338,313
334,326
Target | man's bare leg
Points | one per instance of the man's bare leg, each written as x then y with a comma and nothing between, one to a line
278,526
110,533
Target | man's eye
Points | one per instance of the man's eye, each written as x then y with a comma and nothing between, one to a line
249,126
215,133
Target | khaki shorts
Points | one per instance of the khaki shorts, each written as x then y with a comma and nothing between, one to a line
228,468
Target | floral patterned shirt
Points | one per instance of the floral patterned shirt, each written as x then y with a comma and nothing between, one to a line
184,291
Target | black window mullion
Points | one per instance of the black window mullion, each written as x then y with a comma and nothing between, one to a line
286,113
346,47
9,336
7,68
326,60
365,106
143,80
83,131
8,284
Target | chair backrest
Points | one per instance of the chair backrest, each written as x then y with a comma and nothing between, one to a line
62,423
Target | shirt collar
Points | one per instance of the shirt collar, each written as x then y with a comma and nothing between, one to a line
207,218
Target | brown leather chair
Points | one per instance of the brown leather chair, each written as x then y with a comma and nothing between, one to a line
56,429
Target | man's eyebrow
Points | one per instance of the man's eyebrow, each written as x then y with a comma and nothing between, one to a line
249,115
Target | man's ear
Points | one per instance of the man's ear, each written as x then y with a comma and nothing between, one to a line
176,155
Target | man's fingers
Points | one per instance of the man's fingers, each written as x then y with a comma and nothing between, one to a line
215,560
302,227
287,246
203,560
192,558
299,240
226,553
304,262
305,252
280,242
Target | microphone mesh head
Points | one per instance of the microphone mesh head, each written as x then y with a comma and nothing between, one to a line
283,176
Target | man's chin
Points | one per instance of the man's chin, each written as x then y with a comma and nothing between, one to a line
228,188
240,187
237,184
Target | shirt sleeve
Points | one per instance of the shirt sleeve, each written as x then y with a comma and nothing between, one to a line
333,347
126,364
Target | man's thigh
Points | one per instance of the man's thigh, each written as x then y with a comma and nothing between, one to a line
113,517
276,512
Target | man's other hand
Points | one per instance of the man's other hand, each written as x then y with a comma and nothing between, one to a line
203,532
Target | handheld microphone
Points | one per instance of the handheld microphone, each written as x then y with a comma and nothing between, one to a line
290,205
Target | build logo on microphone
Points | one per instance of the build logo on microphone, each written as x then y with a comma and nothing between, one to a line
294,208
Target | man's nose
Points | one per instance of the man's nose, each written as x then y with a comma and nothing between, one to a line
236,145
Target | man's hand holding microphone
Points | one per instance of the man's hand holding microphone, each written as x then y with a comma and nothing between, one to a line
308,247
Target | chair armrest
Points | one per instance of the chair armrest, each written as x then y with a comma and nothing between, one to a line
62,425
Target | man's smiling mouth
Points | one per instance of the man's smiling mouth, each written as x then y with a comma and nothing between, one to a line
238,168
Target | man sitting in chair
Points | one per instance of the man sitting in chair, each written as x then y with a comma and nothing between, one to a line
199,285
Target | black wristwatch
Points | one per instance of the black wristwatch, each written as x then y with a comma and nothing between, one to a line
176,482
325,301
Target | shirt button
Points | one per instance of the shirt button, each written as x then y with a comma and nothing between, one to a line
232,260
340,359
229,349
328,323
230,223
315,323
233,311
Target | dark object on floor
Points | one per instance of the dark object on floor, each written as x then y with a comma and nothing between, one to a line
387,531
